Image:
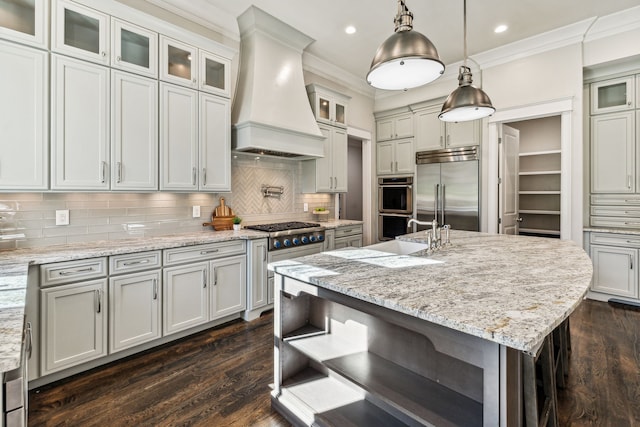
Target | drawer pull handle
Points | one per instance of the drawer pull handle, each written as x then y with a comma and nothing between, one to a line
215,276
633,242
632,201
210,251
99,300
631,261
204,279
70,272
142,261
29,340
632,223
155,289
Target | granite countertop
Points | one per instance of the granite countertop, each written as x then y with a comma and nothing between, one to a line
335,223
14,266
512,290
630,231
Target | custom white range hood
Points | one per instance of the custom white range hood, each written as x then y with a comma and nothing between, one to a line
271,112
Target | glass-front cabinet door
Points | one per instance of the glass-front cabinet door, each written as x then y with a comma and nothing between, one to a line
613,95
214,73
25,21
134,48
340,113
80,32
177,61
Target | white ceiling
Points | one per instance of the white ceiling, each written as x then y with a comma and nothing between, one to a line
440,21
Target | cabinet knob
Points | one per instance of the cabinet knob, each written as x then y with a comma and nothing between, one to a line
118,58
194,81
103,53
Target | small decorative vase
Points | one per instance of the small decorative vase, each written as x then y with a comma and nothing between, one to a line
236,227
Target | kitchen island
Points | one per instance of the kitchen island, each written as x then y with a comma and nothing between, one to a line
425,339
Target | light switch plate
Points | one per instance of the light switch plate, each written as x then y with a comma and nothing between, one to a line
196,211
306,207
62,217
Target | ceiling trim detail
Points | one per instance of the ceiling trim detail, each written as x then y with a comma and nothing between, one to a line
616,23
330,71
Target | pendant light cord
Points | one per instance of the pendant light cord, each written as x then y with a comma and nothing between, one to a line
464,14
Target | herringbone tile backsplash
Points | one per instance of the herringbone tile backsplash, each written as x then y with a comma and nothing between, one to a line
28,219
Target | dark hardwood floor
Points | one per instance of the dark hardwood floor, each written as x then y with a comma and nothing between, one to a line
220,378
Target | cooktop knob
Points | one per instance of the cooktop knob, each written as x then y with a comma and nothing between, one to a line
320,238
313,238
296,241
287,243
277,244
305,240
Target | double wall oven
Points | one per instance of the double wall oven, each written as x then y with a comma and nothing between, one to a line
395,206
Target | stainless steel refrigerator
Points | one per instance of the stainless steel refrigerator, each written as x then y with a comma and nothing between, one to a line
447,185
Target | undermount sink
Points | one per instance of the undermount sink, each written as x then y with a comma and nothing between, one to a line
399,247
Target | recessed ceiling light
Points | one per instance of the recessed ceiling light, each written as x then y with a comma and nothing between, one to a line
501,28
350,29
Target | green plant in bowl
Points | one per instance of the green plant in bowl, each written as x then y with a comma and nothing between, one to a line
237,220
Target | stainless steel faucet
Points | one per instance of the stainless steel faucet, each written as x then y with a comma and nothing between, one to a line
434,235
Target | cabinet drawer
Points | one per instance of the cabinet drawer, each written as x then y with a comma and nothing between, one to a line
72,271
348,231
625,240
615,222
129,263
619,211
616,199
203,252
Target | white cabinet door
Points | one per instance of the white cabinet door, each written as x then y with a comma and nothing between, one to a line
339,159
403,126
25,22
385,158
613,153
214,76
134,309
257,277
185,294
24,146
74,324
384,129
613,95
463,134
323,167
134,132
429,130
615,270
80,32
79,125
228,290
215,143
348,242
178,62
404,156
133,48
179,138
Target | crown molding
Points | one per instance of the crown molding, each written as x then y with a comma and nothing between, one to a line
554,39
616,23
331,71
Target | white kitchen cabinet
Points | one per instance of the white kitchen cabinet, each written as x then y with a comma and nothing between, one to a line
348,242
134,309
613,151
178,62
185,297
214,74
394,127
613,95
434,134
133,48
134,132
25,21
79,125
328,106
228,286
348,236
329,173
257,276
80,32
614,270
24,145
178,138
215,143
73,323
395,157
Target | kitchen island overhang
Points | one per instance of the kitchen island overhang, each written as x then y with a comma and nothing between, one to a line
457,327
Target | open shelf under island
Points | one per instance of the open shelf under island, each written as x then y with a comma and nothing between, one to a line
364,337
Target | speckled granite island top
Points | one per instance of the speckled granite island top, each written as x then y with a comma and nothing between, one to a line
512,290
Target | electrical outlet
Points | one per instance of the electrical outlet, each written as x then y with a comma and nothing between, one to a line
196,211
62,217
306,207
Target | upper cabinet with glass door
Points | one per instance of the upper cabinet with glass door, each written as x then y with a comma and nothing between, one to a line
214,74
328,106
25,21
613,95
178,62
134,48
80,32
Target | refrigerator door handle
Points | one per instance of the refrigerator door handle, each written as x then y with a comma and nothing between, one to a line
442,206
436,193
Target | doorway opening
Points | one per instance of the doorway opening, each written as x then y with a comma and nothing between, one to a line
351,202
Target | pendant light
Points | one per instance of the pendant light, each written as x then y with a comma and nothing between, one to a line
467,102
407,59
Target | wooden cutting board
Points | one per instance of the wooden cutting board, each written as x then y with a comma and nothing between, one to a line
222,209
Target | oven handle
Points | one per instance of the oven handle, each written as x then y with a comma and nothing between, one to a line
394,186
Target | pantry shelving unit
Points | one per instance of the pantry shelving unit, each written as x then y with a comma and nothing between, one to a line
540,174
